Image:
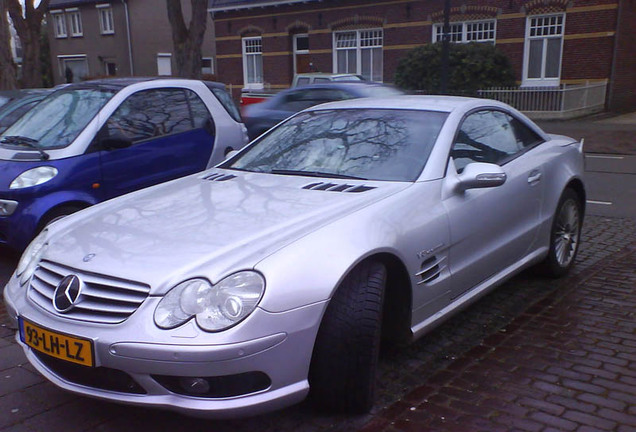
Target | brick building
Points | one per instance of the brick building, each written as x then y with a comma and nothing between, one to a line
262,43
94,38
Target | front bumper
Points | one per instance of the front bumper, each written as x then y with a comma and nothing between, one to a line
271,351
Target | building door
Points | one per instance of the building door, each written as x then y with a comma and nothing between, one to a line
302,63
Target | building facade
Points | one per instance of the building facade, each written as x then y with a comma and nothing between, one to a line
97,38
262,43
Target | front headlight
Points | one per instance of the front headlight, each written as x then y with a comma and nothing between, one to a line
33,177
31,257
216,307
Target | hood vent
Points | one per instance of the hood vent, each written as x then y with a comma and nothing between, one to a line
219,177
431,269
334,187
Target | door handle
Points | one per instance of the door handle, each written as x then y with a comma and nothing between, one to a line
534,177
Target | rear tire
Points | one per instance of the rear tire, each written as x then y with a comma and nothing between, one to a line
343,367
565,235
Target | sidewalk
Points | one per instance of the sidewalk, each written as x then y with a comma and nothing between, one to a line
603,133
568,363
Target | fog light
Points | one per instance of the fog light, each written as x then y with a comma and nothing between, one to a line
7,207
196,386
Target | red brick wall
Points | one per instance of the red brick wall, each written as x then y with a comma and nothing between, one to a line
583,58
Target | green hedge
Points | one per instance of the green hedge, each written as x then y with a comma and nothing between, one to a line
471,66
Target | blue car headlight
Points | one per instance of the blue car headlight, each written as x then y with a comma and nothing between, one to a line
215,307
33,177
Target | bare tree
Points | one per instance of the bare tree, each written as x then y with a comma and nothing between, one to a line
8,70
187,40
27,21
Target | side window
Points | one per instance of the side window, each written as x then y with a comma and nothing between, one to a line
200,114
227,102
526,137
302,81
484,136
151,113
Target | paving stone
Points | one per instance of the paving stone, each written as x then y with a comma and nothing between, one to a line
551,342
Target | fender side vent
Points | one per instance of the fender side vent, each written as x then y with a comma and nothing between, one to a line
219,177
334,187
431,269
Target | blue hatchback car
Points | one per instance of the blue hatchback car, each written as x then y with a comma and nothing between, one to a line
92,141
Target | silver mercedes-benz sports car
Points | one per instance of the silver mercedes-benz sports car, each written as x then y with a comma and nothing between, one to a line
274,276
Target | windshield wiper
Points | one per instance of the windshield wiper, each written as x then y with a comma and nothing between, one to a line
25,141
315,174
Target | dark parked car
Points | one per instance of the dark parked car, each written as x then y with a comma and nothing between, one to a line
262,116
19,103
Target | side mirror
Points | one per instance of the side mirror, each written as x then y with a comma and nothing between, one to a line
478,175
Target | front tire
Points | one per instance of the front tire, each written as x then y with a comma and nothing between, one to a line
565,235
343,367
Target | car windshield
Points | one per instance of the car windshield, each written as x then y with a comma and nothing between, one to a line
58,120
373,144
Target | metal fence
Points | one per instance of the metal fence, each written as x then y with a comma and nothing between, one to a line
565,100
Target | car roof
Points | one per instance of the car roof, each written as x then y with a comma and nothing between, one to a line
430,103
119,83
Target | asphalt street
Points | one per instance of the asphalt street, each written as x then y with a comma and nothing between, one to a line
611,184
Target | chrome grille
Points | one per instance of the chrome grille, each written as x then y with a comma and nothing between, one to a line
103,299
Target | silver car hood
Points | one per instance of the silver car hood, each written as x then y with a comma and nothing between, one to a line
206,225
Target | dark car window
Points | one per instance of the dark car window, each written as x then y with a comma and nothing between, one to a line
199,112
153,113
302,81
303,99
227,102
526,137
9,117
377,144
485,136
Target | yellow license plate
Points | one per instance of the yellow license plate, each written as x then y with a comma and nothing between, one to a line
59,345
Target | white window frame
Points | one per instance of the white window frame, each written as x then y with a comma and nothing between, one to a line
250,50
164,56
296,51
75,19
543,33
211,65
460,30
364,39
62,63
106,21
59,24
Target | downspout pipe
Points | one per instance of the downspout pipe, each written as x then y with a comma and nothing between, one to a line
130,56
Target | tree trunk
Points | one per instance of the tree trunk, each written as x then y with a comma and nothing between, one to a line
28,25
187,41
8,70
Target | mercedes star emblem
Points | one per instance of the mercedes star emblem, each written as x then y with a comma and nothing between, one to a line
67,293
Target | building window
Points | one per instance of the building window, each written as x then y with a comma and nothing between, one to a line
59,24
106,24
75,19
164,64
207,66
543,49
464,32
359,52
73,68
253,62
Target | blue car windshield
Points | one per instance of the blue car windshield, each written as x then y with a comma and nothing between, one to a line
373,144
58,120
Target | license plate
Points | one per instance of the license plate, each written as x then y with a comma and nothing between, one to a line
55,344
